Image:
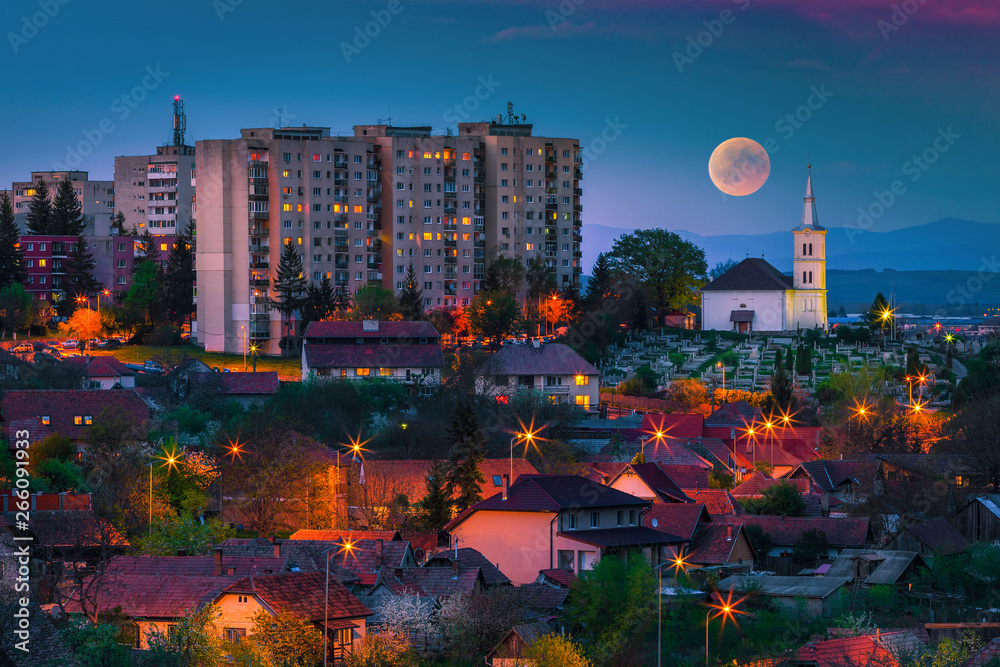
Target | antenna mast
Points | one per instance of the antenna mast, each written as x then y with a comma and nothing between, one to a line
180,121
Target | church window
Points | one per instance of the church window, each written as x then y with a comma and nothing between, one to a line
804,274
810,277
810,249
803,248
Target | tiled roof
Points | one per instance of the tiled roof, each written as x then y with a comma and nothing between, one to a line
548,359
863,650
621,537
155,596
341,535
440,581
785,531
469,558
303,595
891,565
687,476
195,566
356,330
101,367
938,535
716,501
681,519
680,425
366,562
752,274
264,382
409,476
543,597
390,355
62,405
943,465
657,481
713,543
604,471
673,452
758,482
736,414
831,475
306,555
563,578
988,654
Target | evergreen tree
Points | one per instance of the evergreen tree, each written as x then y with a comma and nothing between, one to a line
67,213
782,398
789,361
640,312
841,312
777,359
602,282
468,447
118,224
147,246
541,279
39,220
411,297
289,285
320,302
79,279
436,505
11,252
178,279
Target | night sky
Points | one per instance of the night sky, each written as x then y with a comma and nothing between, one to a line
883,88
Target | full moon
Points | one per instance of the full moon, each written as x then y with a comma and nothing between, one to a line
739,166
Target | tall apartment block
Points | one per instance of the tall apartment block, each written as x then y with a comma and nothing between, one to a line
97,198
363,208
156,192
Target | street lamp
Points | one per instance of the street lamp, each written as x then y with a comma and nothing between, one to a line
678,563
719,364
169,461
528,436
347,549
725,610
244,330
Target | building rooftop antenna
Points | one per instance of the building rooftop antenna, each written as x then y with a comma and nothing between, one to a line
180,121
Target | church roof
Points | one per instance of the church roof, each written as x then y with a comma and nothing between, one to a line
752,274
809,218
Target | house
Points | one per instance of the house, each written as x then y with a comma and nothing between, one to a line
196,566
815,594
849,481
785,531
552,369
877,650
565,521
299,555
440,582
648,481
104,372
467,558
815,502
405,352
716,501
899,469
873,567
244,388
936,537
720,545
184,374
512,650
979,520
368,559
68,412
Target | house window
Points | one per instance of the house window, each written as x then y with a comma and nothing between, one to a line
582,380
44,419
343,372
497,480
958,480
242,599
572,522
620,518
345,636
631,517
595,519
565,560
234,635
362,372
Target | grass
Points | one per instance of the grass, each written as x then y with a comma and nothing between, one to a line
288,369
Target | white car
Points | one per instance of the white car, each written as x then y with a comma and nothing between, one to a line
70,344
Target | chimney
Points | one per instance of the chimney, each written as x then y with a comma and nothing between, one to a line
506,486
277,548
230,571
398,572
729,533
454,569
218,562
824,501
378,553
182,552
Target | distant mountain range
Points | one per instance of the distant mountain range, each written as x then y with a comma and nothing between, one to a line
947,244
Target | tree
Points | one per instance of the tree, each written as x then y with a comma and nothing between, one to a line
84,324
687,392
17,308
789,361
777,359
601,285
760,541
283,639
721,267
803,361
374,302
67,213
541,280
148,252
493,316
182,532
782,499
142,300
782,396
474,624
386,649
974,433
556,309
79,279
118,224
812,544
670,267
39,218
12,267
411,297
289,286
556,651
320,302
879,316
194,641
436,506
468,450
504,274
178,278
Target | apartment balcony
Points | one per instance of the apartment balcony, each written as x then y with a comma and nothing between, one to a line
374,265
556,389
260,265
340,217
578,174
340,265
450,195
260,282
578,254
340,181
577,207
451,260
260,215
450,291
578,191
340,199
340,247
260,249
450,210
375,199
260,317
259,232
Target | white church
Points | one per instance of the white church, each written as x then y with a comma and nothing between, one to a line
753,296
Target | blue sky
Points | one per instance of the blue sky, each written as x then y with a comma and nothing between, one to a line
881,92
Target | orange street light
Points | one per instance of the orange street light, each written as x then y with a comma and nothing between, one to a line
726,610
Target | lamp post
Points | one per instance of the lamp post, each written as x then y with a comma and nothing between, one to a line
346,548
244,329
518,437
725,610
678,563
719,364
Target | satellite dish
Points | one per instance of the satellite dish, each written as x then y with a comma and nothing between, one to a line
654,523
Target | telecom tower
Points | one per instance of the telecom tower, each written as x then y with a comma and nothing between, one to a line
180,121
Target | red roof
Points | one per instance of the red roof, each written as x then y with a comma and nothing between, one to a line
265,382
673,452
440,581
348,535
681,426
681,519
61,406
564,578
101,367
544,597
194,566
831,475
713,543
786,530
737,413
409,477
687,476
155,596
989,654
366,561
548,359
469,558
302,594
357,330
716,501
657,481
864,650
390,355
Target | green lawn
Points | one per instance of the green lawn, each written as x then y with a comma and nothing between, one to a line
288,369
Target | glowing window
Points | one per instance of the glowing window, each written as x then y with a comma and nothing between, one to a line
163,246
287,241
78,420
362,372
528,246
465,156
286,207
428,236
582,380
300,240
427,155
384,372
465,221
285,173
30,192
300,208
359,209
41,262
438,154
411,154
411,203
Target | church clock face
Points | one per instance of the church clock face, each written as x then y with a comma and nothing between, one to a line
808,232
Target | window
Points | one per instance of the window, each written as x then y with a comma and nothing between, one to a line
234,635
497,480
565,559
44,419
582,380
345,636
619,518
362,372
595,519
583,401
572,521
958,480
631,517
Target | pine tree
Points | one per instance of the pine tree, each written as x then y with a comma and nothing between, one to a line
118,224
320,302
147,246
39,219
777,359
602,282
178,278
11,252
436,507
789,361
289,285
468,447
67,213
411,297
79,279
782,395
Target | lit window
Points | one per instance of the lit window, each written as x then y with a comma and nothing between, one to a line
286,207
41,262
428,236
300,240
582,380
300,208
465,221
427,155
465,156
163,246
362,372
528,246
44,419
78,420
359,209
386,372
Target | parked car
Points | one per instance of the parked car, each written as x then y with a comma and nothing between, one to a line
70,344
54,351
23,347
152,366
98,343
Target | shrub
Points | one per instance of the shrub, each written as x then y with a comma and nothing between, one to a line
164,336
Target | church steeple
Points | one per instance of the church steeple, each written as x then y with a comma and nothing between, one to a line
809,218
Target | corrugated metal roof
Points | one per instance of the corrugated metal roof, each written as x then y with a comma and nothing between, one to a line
805,587
888,571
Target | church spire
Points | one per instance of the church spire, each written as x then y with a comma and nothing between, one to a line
809,218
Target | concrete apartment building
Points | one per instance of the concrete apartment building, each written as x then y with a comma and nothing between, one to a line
97,198
156,192
363,208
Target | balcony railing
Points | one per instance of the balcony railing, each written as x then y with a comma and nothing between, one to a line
258,232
